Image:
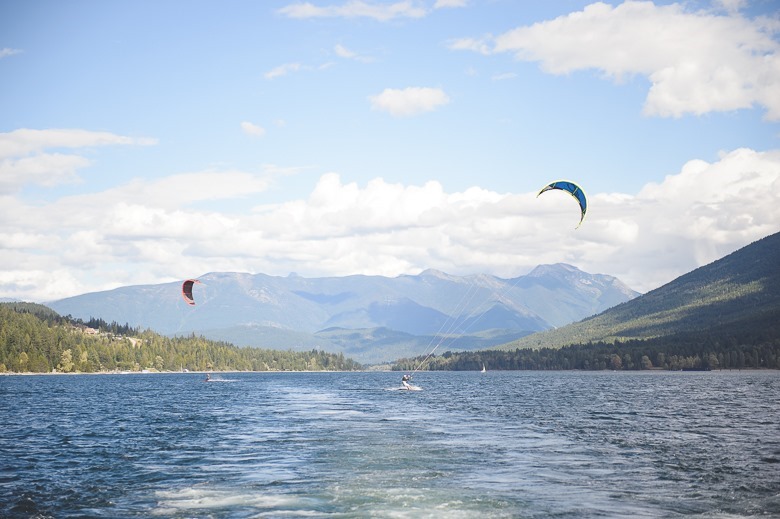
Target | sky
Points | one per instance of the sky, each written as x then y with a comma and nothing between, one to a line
144,142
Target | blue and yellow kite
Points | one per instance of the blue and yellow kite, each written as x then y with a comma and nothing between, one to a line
574,190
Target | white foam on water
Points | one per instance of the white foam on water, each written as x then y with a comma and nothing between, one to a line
401,388
201,499
294,513
340,413
412,502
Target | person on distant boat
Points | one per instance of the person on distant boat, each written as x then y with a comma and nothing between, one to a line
208,377
405,381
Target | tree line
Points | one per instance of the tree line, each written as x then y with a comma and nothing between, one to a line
36,339
603,356
755,347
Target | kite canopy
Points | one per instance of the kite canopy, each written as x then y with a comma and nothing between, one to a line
186,291
574,190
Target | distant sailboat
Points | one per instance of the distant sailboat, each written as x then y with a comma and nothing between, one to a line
483,368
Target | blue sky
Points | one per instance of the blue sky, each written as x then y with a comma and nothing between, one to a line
145,142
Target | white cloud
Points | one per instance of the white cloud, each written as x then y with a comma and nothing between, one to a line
409,101
449,3
175,192
5,52
282,70
732,6
697,62
356,9
25,141
46,169
252,129
155,231
480,45
24,159
135,233
694,217
343,52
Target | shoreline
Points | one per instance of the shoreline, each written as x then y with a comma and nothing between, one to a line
656,370
30,373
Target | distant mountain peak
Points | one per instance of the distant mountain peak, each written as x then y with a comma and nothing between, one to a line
434,273
554,269
730,294
216,276
269,311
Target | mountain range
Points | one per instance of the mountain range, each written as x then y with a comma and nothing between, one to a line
372,319
736,298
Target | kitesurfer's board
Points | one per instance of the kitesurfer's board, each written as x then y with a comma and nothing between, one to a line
402,388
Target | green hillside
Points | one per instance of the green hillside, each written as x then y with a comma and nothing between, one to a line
35,339
725,315
728,295
753,344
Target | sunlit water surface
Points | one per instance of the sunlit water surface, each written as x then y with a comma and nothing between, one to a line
498,444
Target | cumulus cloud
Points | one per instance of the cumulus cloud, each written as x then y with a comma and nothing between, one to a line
138,232
156,231
252,129
694,217
696,62
356,9
409,101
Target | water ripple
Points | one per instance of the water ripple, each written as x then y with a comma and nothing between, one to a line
502,444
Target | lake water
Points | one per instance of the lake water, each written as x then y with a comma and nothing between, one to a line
340,445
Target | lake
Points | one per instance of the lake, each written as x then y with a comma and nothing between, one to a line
341,445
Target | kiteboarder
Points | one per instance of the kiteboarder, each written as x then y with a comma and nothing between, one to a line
405,381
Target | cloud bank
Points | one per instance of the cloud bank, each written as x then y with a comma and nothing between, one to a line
156,231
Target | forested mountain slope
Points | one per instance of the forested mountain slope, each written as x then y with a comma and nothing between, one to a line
393,317
729,295
33,338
